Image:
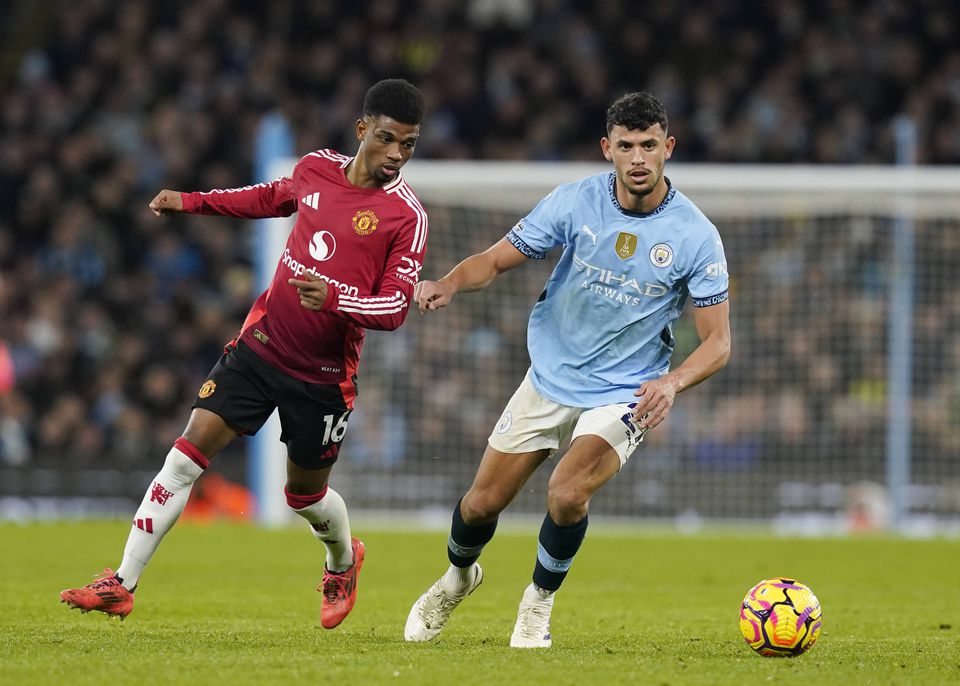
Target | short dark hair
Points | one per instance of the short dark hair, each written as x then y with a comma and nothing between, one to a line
639,110
395,98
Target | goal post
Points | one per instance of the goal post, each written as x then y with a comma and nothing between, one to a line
840,406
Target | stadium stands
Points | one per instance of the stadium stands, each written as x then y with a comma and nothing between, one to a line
112,317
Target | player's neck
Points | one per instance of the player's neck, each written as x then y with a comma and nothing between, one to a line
643,204
358,175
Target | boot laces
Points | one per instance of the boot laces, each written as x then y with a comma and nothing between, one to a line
534,620
439,606
104,579
334,587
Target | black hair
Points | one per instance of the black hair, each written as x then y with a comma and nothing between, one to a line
639,110
395,98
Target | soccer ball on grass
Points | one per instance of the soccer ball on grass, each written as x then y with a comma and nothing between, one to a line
780,617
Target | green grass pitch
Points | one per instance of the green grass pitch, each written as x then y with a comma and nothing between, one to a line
229,604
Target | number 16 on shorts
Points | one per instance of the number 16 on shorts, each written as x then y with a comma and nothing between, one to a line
335,427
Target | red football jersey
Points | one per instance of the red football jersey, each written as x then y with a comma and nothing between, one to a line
368,244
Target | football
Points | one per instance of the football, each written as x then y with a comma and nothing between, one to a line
780,617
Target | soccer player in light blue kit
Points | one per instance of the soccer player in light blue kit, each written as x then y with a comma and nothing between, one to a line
600,339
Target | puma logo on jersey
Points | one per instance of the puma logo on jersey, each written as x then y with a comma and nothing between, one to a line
590,232
312,200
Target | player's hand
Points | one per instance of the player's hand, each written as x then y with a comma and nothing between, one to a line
166,202
311,289
432,295
655,400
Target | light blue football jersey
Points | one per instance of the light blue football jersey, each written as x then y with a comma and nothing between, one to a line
604,322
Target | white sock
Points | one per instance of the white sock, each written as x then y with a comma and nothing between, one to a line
330,523
159,510
458,579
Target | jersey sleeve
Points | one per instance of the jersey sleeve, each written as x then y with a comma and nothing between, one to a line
386,308
274,199
709,282
544,228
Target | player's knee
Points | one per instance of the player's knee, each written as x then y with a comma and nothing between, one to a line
567,503
184,463
481,507
304,481
305,487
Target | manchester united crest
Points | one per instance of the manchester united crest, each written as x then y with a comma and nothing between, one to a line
365,222
626,245
207,389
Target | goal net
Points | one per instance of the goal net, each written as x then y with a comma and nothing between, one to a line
839,408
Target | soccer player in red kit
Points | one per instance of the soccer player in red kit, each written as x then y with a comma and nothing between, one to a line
350,264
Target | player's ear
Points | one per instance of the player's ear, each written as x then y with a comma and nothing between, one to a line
605,146
668,145
361,129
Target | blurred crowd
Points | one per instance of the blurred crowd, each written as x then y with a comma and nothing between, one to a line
113,317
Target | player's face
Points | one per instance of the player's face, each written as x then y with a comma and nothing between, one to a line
385,146
638,158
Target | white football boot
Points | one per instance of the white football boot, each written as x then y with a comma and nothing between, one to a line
430,613
532,629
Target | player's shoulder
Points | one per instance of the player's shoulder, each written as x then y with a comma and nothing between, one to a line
570,194
400,192
325,159
400,188
588,184
406,207
683,208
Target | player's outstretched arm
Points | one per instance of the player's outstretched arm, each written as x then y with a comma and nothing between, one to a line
166,202
657,396
474,273
274,199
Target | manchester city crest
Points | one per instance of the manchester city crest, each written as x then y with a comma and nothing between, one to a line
661,255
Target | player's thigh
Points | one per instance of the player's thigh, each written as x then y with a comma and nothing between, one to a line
208,432
236,398
313,423
589,463
499,478
531,429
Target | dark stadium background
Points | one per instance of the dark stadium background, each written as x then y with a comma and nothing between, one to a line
111,318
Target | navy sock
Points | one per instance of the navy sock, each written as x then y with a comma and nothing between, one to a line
466,542
555,552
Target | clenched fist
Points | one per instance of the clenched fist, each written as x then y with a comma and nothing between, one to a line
166,202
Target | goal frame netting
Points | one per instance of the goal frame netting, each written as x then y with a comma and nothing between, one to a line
723,192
